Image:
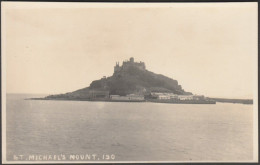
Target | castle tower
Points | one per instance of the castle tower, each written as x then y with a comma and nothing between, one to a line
132,60
117,67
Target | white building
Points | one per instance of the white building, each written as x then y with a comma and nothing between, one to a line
172,96
185,97
135,97
164,97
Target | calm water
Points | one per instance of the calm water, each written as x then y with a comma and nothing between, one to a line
130,131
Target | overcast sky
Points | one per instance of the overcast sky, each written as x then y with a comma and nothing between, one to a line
51,48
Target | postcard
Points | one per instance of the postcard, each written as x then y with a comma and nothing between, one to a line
129,82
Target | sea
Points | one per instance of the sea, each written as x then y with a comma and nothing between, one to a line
116,131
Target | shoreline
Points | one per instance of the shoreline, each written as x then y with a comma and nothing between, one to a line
211,101
133,101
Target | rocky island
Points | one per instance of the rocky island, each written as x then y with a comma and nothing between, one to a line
132,82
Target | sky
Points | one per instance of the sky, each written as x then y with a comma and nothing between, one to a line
51,48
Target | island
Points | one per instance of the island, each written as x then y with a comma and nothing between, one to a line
132,82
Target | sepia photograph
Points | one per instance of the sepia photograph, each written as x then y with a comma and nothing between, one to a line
129,82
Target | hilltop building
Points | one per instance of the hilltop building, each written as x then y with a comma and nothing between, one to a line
127,64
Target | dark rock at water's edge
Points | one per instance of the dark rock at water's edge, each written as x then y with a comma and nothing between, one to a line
130,78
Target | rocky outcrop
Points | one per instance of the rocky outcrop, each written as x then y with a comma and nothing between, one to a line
128,79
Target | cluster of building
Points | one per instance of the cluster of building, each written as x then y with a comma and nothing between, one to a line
171,96
158,96
139,97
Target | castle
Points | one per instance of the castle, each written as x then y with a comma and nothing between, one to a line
127,64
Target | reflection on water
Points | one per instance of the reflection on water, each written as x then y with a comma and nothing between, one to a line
131,131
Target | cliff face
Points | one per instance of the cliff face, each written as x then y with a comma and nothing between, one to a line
127,79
